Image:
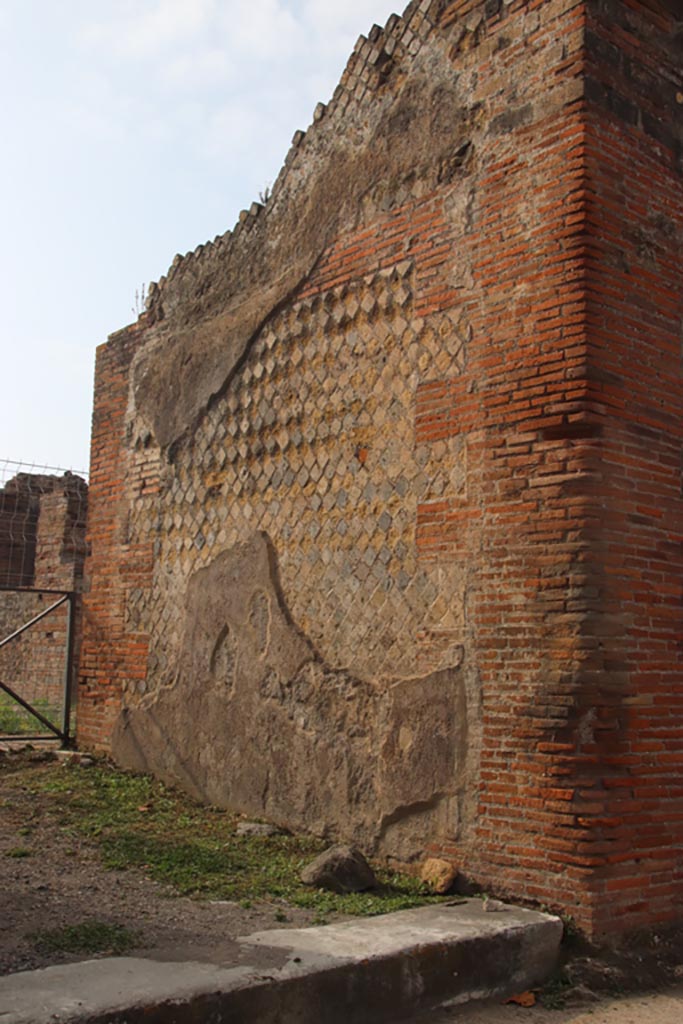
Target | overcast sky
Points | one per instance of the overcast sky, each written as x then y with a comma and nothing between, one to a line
132,130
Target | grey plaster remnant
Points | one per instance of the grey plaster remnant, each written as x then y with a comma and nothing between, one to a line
380,765
257,828
202,323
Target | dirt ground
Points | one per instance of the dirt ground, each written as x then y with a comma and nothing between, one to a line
64,883
67,884
652,1008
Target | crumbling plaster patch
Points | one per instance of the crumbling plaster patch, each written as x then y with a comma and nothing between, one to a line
414,134
300,742
294,416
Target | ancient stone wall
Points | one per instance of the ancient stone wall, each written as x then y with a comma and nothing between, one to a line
42,549
361,492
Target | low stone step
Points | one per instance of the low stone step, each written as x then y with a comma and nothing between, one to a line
367,970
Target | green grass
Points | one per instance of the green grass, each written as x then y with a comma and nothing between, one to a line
87,937
15,720
138,822
18,852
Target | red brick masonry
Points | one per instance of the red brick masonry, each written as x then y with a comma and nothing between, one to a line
565,260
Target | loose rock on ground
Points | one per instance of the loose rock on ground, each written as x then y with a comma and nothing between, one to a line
340,869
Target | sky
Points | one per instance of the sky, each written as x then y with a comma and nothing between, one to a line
132,130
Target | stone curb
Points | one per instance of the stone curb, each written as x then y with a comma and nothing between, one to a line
371,970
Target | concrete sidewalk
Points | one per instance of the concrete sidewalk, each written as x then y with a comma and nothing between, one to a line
365,970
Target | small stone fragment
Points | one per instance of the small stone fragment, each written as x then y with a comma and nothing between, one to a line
257,828
493,906
36,756
340,869
439,875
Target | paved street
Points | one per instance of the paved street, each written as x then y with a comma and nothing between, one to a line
660,1008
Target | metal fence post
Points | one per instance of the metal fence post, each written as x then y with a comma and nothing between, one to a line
68,670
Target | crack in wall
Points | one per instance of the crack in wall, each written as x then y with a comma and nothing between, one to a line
336,756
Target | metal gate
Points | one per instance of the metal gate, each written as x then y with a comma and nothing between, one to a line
42,549
61,729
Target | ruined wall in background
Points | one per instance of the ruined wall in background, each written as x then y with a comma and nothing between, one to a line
350,486
42,549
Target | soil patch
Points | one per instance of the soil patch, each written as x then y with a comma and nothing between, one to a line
95,862
86,850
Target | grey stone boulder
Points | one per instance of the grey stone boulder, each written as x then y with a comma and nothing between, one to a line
257,828
340,869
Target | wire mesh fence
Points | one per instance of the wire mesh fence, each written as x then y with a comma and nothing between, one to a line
42,551
42,524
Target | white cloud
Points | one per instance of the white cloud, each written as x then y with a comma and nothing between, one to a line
330,20
137,128
233,130
260,29
144,29
151,31
211,67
